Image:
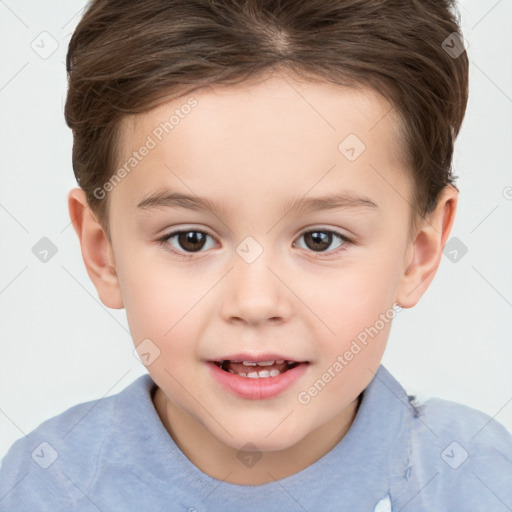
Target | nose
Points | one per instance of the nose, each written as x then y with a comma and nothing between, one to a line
254,292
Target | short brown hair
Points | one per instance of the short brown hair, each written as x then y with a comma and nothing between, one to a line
126,57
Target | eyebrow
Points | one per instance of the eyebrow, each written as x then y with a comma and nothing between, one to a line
170,199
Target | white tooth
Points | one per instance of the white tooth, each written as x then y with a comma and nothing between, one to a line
266,363
231,371
280,361
262,374
249,363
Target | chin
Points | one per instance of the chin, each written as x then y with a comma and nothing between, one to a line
252,440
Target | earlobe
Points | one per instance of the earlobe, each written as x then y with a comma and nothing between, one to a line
425,253
96,250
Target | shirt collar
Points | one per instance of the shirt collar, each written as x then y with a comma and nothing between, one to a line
358,463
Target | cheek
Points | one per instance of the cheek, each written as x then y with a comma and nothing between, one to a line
159,300
349,299
162,306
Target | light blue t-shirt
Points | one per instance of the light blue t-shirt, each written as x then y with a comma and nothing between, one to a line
114,454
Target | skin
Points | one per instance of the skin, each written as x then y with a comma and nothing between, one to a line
255,147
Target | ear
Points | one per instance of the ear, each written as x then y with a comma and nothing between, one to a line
97,251
425,252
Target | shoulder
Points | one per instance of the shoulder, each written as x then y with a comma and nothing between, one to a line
481,434
462,454
57,461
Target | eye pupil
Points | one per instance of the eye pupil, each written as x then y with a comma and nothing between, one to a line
190,239
319,238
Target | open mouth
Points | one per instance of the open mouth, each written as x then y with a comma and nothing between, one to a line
256,370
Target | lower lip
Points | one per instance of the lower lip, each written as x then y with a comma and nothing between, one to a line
257,389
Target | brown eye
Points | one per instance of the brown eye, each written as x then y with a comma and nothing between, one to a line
191,240
185,242
319,240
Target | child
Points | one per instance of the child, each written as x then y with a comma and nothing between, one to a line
307,146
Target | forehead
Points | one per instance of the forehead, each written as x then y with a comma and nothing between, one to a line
280,135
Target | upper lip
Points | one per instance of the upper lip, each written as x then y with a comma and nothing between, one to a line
256,358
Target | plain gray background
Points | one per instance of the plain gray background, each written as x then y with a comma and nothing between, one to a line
60,346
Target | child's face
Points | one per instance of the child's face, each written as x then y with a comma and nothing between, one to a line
256,284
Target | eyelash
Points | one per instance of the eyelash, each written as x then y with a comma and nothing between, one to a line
165,239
